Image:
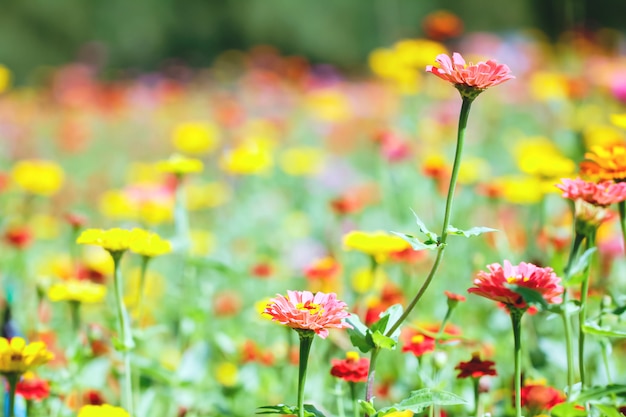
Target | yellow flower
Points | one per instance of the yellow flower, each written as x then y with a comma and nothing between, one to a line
114,204
5,78
98,259
363,280
406,413
547,86
619,120
328,104
113,240
227,374
473,170
417,53
77,290
156,212
377,244
521,189
202,242
602,135
302,161
104,410
38,177
148,243
209,195
18,357
180,165
247,159
195,137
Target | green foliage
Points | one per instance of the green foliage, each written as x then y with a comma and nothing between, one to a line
366,339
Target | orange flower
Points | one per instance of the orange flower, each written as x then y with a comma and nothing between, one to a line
605,163
441,25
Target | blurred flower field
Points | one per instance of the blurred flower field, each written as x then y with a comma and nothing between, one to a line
162,232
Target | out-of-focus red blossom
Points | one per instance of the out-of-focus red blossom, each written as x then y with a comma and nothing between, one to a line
391,294
252,353
351,369
182,411
87,397
408,255
262,270
227,303
454,297
97,337
355,200
76,220
84,272
32,388
393,147
19,237
441,25
422,341
538,398
475,368
323,268
5,181
490,190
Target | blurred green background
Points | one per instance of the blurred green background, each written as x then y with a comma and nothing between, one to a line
140,35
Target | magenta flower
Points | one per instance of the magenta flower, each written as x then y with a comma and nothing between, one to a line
470,79
493,284
307,311
603,193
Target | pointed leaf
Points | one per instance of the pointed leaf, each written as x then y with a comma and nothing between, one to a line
359,334
387,319
593,328
567,410
415,243
582,263
618,311
599,393
367,407
382,341
421,399
422,226
608,411
474,231
277,409
311,411
530,296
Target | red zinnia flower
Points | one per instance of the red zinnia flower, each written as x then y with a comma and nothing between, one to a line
493,284
604,193
475,368
32,388
19,237
351,369
538,398
422,341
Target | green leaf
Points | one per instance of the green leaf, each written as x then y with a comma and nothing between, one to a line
359,334
432,236
367,407
474,231
593,328
311,411
567,410
415,243
387,319
421,399
277,409
600,393
581,264
382,341
530,296
618,311
608,411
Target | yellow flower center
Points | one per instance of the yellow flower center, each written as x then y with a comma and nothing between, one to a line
352,356
312,308
418,338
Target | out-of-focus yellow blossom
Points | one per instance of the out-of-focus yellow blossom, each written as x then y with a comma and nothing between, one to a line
46,227
302,161
227,374
154,286
418,53
297,224
98,259
260,305
17,357
57,265
180,165
521,189
548,86
5,78
77,290
619,120
170,358
113,240
261,128
148,243
114,204
247,159
202,242
377,244
602,135
156,212
104,410
38,176
208,195
586,115
195,138
388,65
363,280
406,413
540,158
329,104
473,170
144,173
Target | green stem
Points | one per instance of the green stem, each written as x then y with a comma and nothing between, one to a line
621,207
355,402
339,392
463,116
75,314
142,284
442,328
516,321
476,383
12,379
181,218
306,340
125,335
371,374
582,313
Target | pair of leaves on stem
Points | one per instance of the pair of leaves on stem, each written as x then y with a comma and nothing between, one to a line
433,241
374,337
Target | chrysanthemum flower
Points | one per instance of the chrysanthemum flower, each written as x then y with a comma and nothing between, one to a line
475,368
149,244
605,163
180,165
470,79
604,193
351,369
104,410
493,284
303,310
77,290
113,240
38,176
17,357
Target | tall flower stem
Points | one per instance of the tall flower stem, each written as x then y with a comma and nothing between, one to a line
463,116
181,217
142,284
12,379
125,335
476,383
582,313
306,340
371,374
355,402
621,207
516,321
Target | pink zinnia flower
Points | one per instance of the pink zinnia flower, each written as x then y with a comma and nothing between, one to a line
603,193
307,311
470,79
493,284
